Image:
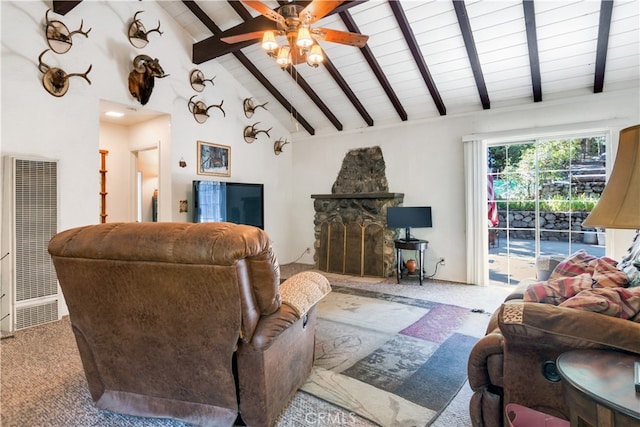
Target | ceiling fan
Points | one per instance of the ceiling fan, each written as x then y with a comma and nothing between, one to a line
294,21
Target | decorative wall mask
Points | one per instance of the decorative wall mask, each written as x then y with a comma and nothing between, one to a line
55,80
251,133
59,36
278,145
197,80
250,107
141,79
138,35
200,110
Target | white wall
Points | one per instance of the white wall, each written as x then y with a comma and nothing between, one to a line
425,162
68,128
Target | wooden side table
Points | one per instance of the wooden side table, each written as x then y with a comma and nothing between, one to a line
599,389
416,245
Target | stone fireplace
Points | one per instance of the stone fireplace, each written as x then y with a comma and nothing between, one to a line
351,236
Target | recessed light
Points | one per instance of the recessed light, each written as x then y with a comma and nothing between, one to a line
114,114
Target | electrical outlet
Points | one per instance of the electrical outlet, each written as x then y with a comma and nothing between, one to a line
308,250
441,262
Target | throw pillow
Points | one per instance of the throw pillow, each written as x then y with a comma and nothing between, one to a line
555,291
617,302
607,275
577,263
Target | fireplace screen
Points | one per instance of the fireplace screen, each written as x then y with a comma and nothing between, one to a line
352,249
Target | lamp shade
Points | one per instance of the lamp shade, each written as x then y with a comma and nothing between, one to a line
619,204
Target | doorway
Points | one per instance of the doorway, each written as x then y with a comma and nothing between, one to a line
539,193
138,145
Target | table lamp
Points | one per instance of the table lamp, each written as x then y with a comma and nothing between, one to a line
619,204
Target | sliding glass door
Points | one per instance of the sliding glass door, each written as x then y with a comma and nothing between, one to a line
539,192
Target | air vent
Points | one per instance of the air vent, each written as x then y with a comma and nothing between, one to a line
36,315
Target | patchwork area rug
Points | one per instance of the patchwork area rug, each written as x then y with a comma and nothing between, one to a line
393,360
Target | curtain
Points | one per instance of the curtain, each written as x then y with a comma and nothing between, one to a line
475,169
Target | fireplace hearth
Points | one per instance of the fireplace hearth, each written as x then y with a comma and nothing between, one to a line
351,236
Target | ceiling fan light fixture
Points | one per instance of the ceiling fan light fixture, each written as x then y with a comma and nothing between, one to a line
269,41
304,39
314,57
284,56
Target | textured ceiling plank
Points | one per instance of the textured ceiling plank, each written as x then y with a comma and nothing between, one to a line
314,96
606,7
532,42
467,36
417,55
197,11
62,7
346,89
375,67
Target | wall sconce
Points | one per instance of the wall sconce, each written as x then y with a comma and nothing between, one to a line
250,108
200,110
278,145
59,36
197,80
182,162
251,133
55,80
138,35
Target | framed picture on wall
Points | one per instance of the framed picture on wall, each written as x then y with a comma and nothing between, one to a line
214,159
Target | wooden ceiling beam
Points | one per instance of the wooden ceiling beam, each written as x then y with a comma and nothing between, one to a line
472,53
208,22
410,38
532,43
606,9
328,65
375,67
62,7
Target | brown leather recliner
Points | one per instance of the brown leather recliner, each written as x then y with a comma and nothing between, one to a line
515,361
186,321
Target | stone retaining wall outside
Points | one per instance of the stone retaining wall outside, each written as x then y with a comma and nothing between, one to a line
553,225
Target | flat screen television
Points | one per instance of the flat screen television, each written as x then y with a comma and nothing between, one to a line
408,217
237,202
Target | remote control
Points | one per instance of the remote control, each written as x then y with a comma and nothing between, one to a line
636,376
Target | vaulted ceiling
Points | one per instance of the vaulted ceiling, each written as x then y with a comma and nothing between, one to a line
425,59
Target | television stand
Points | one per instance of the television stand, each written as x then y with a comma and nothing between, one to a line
410,244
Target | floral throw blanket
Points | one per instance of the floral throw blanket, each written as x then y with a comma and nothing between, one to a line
585,282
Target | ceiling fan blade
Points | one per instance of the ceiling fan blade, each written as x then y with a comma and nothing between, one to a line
265,10
342,37
318,9
243,37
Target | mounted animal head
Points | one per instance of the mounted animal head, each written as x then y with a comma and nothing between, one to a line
138,35
59,36
250,108
55,80
251,132
141,78
200,110
279,145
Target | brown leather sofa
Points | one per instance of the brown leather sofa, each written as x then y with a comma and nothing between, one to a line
515,361
185,321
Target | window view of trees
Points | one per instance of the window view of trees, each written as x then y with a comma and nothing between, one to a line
552,170
543,191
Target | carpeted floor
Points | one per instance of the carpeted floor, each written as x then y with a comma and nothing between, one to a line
42,382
